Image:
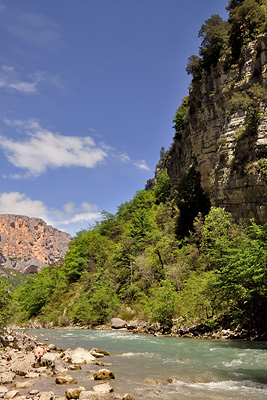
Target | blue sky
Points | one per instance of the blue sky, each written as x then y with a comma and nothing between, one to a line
88,92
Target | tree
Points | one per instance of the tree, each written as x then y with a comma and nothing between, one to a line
99,303
163,302
163,188
238,255
247,20
214,34
5,300
232,4
87,251
39,289
194,65
180,118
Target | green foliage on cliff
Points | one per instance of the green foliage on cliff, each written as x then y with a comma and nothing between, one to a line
214,34
225,39
247,21
180,118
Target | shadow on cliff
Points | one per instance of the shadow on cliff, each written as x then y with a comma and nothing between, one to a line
191,200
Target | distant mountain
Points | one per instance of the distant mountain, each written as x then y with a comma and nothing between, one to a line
28,244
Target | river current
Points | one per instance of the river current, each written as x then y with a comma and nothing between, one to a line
143,365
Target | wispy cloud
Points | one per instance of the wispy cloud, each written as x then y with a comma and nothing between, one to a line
10,79
2,7
42,149
140,164
35,29
21,204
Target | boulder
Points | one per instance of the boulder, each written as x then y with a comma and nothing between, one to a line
19,397
49,359
54,361
22,341
61,380
103,374
22,364
131,325
98,351
102,388
46,396
89,395
17,340
128,397
7,377
74,367
32,374
34,392
117,323
74,393
78,356
102,364
11,394
51,347
3,390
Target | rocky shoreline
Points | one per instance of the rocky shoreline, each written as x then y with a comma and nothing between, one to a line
178,328
22,377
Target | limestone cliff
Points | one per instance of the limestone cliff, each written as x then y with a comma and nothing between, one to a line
28,244
225,136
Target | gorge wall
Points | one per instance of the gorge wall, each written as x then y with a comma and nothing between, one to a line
28,244
225,138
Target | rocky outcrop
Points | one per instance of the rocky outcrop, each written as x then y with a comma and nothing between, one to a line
222,138
28,244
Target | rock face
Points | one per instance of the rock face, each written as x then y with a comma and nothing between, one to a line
28,244
217,140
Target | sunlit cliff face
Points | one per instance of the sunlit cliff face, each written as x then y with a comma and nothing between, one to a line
28,244
224,138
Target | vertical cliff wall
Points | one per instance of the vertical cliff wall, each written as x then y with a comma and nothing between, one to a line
28,244
225,135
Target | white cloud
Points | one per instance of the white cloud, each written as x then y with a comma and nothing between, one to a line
85,212
43,149
67,218
11,80
69,208
141,164
17,203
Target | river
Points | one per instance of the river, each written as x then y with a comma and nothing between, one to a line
201,369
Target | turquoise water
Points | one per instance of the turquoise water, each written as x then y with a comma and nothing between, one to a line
143,364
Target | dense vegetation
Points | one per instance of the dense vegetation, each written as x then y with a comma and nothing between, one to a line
162,256
132,265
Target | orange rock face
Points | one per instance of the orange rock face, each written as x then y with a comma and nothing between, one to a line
28,244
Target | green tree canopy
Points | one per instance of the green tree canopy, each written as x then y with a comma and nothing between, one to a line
247,20
214,34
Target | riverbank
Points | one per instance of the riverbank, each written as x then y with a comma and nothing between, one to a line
178,328
23,377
